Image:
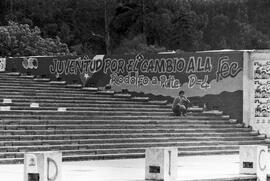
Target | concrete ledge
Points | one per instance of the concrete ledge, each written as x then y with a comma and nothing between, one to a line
262,136
42,79
215,112
233,121
106,92
254,133
27,76
238,125
195,109
158,102
140,98
13,73
267,140
94,89
122,95
225,116
58,82
74,85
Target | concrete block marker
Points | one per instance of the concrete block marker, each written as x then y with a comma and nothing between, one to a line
253,160
161,164
7,101
34,105
43,166
62,109
5,108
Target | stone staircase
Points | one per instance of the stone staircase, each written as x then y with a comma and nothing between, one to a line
102,124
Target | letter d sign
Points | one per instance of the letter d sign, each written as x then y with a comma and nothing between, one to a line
52,170
53,166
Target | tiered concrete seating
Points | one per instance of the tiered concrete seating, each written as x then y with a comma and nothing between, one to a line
105,125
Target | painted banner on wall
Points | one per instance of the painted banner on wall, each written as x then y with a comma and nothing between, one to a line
214,78
73,69
199,74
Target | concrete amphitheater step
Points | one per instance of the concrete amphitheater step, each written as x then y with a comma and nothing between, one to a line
88,109
181,151
22,85
103,116
73,155
71,101
92,110
124,123
24,78
56,136
80,101
195,141
41,79
217,149
44,87
64,93
56,98
64,140
10,73
60,93
76,157
80,157
31,80
48,87
140,150
130,121
123,145
38,83
187,131
111,152
125,150
15,78
78,113
62,97
113,126
16,83
88,105
117,112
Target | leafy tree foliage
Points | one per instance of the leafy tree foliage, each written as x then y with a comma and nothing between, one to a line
137,45
19,40
137,24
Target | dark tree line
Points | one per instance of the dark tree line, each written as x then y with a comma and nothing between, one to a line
145,25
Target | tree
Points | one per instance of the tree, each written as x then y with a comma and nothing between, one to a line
252,38
20,40
137,45
188,25
219,31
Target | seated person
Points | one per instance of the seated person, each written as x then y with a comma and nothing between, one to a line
180,103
